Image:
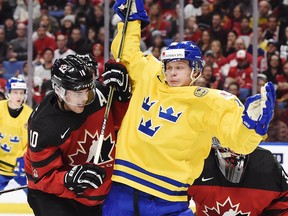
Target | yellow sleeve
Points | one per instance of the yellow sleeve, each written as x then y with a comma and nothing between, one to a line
225,122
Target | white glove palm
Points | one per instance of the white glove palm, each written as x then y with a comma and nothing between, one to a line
259,109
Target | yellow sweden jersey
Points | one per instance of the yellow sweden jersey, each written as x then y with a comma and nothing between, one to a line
166,133
13,137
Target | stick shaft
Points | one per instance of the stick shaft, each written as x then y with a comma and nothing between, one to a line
13,189
111,90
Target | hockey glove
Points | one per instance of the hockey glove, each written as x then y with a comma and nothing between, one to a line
116,75
137,11
84,176
259,109
19,168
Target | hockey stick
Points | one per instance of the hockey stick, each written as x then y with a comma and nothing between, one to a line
111,90
13,189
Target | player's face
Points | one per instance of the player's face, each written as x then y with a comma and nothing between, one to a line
16,98
178,73
75,101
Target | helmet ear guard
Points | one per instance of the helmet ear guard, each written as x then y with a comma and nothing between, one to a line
60,91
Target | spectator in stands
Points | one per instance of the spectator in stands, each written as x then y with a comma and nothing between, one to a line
62,49
247,7
6,11
156,23
18,51
193,9
81,21
174,22
284,46
217,31
84,6
21,11
91,36
261,42
2,84
43,42
274,68
201,82
98,53
229,48
272,30
210,59
271,49
55,4
67,24
68,9
242,73
234,89
42,75
278,130
10,29
49,21
3,45
245,30
76,42
216,48
236,18
264,9
101,36
261,80
157,42
282,84
192,32
44,70
204,42
206,16
98,17
239,45
212,81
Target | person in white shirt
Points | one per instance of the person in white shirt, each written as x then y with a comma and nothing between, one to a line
62,50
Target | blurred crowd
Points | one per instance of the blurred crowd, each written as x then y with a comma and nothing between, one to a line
221,28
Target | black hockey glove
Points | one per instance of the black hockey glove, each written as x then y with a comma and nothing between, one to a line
116,75
84,176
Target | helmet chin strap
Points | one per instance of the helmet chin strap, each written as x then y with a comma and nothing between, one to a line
194,79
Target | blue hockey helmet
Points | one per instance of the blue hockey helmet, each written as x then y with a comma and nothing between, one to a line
185,50
16,83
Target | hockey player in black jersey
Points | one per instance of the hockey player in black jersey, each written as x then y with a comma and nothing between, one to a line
253,184
63,136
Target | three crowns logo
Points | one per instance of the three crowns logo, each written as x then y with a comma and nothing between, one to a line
169,114
147,129
146,105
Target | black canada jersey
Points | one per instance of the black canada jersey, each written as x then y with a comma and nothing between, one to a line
263,189
60,140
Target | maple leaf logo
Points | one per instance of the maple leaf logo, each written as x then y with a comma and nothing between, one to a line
87,147
225,209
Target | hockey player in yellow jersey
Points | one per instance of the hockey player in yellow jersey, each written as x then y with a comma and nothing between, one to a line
166,132
14,114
